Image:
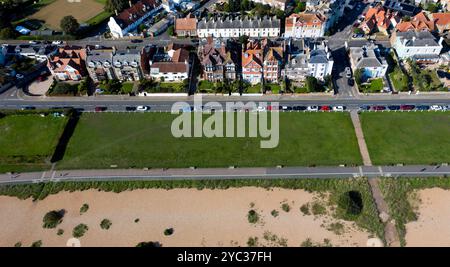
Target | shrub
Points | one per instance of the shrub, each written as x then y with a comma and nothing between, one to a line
252,216
60,232
318,209
307,243
274,213
136,220
52,218
305,209
150,244
80,230
18,244
252,241
37,244
337,228
105,224
168,231
84,208
285,207
350,204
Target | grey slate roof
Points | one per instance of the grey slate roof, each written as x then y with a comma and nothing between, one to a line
236,22
418,39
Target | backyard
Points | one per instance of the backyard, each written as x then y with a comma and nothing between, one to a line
407,137
28,141
375,86
399,80
145,140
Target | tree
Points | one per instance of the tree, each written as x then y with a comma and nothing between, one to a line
53,218
113,86
69,25
113,5
300,6
359,76
7,33
432,7
243,39
311,84
171,31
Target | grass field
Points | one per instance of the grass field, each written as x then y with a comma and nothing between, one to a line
145,140
83,11
407,137
28,141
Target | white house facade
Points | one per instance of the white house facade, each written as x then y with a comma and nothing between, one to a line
235,27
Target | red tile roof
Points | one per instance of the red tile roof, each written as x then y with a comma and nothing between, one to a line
135,12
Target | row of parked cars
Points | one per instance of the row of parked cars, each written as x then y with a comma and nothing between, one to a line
405,107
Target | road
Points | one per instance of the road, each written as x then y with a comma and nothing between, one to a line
225,173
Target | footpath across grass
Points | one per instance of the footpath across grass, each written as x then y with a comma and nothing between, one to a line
28,141
407,137
138,140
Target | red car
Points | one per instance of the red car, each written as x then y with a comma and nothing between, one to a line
100,109
407,107
378,108
325,108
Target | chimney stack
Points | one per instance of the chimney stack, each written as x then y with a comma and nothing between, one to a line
116,12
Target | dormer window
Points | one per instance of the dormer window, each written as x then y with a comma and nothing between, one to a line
91,64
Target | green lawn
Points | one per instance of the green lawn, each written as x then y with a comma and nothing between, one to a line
274,88
375,86
145,140
399,80
28,141
253,89
100,17
407,137
127,87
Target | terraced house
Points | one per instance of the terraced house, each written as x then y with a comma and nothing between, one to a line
380,19
303,25
273,61
68,63
252,62
219,60
127,65
124,23
100,63
238,26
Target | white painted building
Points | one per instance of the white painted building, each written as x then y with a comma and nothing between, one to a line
234,27
419,46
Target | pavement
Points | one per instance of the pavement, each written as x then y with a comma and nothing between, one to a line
225,173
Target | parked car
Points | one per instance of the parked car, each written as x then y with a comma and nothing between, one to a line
57,42
136,40
423,107
376,108
436,108
358,35
350,82
364,108
325,108
312,108
34,42
261,108
348,72
300,108
407,107
100,109
130,108
394,107
19,76
28,108
338,108
142,108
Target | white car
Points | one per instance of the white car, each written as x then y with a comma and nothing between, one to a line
57,42
19,76
142,108
338,108
436,108
312,108
261,108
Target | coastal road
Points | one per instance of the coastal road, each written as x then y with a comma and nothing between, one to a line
226,173
10,100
